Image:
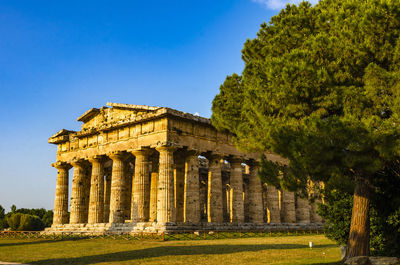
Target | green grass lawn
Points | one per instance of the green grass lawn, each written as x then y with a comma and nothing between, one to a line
267,250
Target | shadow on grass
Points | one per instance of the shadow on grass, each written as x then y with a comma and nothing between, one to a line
155,252
37,242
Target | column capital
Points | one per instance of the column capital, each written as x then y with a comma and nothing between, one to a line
96,159
61,165
236,160
166,148
78,162
253,163
213,156
117,155
140,152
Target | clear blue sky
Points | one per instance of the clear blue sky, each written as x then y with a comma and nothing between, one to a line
61,58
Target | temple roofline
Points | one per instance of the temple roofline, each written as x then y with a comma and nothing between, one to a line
151,113
88,114
132,106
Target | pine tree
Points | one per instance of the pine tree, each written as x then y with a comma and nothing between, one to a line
321,87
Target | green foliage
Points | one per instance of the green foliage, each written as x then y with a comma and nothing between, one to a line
38,212
48,218
337,215
228,103
29,221
14,221
2,212
3,223
24,222
320,88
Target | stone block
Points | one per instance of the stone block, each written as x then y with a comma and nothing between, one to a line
361,260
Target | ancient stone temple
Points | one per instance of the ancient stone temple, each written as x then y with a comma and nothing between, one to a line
139,168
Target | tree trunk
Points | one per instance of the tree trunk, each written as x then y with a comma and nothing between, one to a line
358,244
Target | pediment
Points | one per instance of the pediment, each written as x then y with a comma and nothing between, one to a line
61,133
118,113
60,136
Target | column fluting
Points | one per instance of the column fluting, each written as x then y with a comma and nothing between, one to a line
141,187
79,196
179,186
118,188
273,205
236,201
107,194
153,190
96,199
61,197
289,207
165,194
214,195
191,207
255,195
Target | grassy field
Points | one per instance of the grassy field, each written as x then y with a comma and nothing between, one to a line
268,250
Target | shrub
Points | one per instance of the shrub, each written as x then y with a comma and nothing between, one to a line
384,223
48,218
25,222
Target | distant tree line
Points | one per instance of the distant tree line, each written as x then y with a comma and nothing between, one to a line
24,219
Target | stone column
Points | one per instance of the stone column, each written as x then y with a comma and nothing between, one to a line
129,171
165,194
96,199
179,182
141,187
255,195
303,210
153,190
236,182
191,207
273,205
315,217
118,188
313,193
289,207
79,200
107,194
61,198
214,196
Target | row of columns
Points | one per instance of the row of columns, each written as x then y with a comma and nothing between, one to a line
285,207
171,194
